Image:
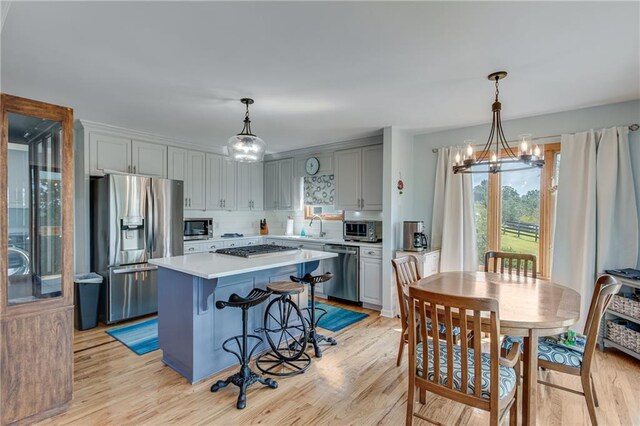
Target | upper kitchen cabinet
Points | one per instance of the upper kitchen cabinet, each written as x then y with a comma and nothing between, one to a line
371,195
220,183
109,153
120,154
358,173
250,186
149,159
189,166
279,185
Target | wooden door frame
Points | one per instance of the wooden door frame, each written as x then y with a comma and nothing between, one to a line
64,115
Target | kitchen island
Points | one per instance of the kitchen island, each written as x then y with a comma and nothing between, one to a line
190,329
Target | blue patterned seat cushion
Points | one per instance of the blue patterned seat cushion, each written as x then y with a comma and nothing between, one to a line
508,342
442,328
559,354
548,351
507,375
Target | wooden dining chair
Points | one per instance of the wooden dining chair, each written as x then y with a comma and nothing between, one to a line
407,272
523,263
459,372
559,358
502,259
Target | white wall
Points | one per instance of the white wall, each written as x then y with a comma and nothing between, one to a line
424,160
398,160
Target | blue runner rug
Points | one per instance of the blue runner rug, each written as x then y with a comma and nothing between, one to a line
337,318
141,337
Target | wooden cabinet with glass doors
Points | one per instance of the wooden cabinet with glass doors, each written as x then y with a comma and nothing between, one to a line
36,259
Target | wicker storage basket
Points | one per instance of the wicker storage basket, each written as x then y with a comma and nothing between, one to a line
625,306
618,332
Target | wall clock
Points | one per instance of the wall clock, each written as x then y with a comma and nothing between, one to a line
312,166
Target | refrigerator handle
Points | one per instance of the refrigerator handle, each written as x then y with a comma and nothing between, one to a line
150,222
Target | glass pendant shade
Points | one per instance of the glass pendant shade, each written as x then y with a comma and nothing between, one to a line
246,148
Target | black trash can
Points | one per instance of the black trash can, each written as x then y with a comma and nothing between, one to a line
87,294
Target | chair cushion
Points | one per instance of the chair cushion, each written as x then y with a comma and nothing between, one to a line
508,342
558,354
548,351
442,328
507,375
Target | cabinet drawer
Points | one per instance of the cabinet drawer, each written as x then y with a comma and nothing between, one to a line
212,246
192,248
251,241
372,252
233,243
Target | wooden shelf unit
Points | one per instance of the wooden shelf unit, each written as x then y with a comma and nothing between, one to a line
611,314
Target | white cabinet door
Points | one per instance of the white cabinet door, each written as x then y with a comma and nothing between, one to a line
371,280
371,195
270,185
285,184
196,178
149,159
348,172
177,169
431,263
257,186
109,153
214,181
244,186
229,189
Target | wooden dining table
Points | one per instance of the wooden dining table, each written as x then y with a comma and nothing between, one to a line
529,307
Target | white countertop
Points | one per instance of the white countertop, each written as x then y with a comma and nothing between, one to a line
212,265
323,240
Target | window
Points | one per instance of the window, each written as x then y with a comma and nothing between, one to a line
514,210
325,212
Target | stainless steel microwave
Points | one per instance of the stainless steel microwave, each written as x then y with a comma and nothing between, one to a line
362,230
198,229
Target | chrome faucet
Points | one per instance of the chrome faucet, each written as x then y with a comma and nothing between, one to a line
322,233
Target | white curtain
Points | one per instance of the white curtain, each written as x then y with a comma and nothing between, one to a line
453,224
596,215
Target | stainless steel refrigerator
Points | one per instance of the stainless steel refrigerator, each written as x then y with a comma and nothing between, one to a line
133,219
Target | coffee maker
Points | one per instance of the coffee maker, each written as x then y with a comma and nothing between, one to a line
414,238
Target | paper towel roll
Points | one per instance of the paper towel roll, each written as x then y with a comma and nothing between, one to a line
289,230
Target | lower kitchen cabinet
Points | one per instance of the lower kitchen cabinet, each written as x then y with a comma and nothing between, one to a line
371,276
428,262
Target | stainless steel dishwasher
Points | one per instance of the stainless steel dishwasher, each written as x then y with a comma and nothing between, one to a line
345,282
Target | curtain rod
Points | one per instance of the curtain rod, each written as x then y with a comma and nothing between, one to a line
632,127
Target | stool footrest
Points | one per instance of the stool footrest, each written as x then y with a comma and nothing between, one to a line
240,351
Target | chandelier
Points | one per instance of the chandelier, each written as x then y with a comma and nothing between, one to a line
245,146
490,159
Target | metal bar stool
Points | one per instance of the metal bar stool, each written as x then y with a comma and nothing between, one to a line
286,332
313,336
245,377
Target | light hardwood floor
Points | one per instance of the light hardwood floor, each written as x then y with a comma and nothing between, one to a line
356,382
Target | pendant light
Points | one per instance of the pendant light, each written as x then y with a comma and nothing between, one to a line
466,160
245,146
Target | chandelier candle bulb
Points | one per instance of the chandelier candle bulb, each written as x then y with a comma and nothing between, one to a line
536,151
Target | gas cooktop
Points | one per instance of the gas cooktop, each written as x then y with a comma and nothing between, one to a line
253,251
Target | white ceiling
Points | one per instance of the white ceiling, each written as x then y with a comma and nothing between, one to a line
319,72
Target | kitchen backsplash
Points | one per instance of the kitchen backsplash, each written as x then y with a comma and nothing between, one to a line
248,222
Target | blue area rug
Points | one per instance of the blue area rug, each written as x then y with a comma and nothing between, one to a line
337,318
141,337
